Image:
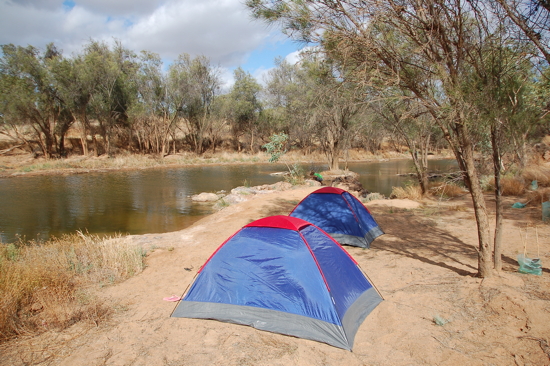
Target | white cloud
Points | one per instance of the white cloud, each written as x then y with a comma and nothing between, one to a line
293,57
222,30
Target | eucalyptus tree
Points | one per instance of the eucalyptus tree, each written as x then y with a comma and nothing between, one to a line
110,73
333,106
529,20
426,48
319,106
245,106
31,109
500,87
410,122
155,115
286,96
193,86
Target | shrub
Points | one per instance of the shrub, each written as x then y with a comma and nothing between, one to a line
512,186
373,196
412,192
47,285
540,173
296,176
446,190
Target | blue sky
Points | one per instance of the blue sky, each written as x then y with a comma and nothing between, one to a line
222,30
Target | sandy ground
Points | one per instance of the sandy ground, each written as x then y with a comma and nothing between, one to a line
424,266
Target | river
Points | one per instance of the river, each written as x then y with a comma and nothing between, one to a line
149,201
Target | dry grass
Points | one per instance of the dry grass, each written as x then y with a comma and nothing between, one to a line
538,172
412,192
446,190
48,285
511,186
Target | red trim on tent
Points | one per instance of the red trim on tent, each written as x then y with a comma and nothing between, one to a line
280,222
351,208
333,190
315,259
329,190
340,245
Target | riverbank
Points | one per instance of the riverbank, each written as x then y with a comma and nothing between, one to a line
435,310
25,164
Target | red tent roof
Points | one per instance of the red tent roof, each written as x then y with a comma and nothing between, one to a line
281,222
330,190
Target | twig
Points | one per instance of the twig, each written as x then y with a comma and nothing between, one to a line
524,244
5,151
537,235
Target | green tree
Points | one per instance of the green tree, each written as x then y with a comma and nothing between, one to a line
109,75
193,86
245,106
411,123
31,107
156,116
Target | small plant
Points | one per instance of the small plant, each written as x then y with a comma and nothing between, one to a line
221,204
276,149
296,176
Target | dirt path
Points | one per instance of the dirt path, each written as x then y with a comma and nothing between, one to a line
424,267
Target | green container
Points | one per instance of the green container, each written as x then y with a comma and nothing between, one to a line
529,265
546,211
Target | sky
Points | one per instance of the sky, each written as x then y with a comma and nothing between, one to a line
222,30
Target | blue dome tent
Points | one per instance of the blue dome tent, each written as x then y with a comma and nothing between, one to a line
284,275
341,215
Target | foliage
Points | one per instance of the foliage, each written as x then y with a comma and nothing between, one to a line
276,147
296,176
244,107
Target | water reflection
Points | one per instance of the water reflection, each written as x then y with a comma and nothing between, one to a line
148,201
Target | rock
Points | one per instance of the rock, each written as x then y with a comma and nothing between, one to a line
333,174
231,199
205,197
350,183
312,183
265,188
243,191
282,186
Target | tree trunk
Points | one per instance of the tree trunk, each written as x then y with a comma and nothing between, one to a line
333,153
497,164
485,259
421,170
